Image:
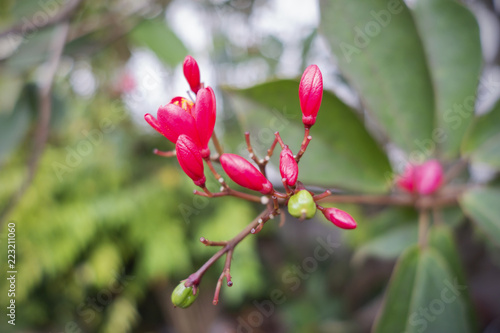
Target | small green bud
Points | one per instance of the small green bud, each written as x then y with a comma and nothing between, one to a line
302,203
182,296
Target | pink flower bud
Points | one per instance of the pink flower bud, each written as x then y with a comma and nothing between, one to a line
204,114
429,177
407,180
423,179
288,166
192,73
189,157
173,121
245,174
340,218
310,94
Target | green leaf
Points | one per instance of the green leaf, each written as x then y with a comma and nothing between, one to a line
481,205
342,153
378,49
14,126
489,152
481,130
442,240
32,52
157,36
390,244
450,34
423,296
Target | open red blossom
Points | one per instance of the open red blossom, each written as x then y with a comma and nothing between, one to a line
288,166
310,94
192,73
340,218
204,114
183,103
173,121
189,157
245,174
423,179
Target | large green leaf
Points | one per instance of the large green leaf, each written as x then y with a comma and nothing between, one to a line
482,206
482,141
450,35
342,153
14,126
157,36
441,239
423,296
378,49
390,244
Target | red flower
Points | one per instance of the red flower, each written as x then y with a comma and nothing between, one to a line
183,103
423,179
288,166
310,94
189,157
173,121
245,174
204,114
192,73
340,218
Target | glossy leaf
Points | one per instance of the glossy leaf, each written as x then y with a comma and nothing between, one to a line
450,34
158,37
379,51
342,153
481,205
423,295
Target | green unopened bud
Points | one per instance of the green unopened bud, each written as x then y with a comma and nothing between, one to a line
302,204
183,296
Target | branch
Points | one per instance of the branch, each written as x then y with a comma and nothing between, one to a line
228,248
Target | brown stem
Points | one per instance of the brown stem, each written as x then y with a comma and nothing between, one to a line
231,192
423,227
217,144
195,278
225,274
211,243
303,146
171,153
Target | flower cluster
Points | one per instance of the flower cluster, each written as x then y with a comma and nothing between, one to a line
190,125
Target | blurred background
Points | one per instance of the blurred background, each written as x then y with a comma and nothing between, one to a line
105,229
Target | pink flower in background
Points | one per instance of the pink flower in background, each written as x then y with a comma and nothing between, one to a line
423,179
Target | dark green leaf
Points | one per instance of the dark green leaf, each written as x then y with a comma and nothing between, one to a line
342,153
378,49
450,35
157,36
489,152
389,245
441,239
482,206
423,296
